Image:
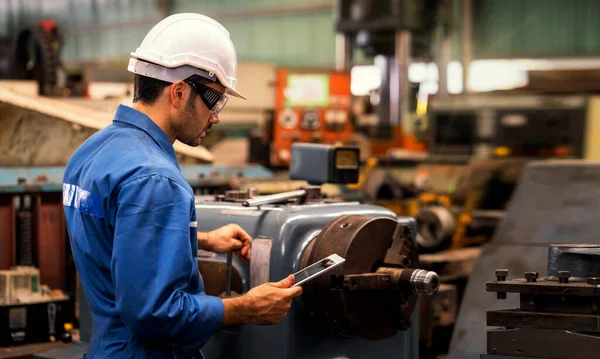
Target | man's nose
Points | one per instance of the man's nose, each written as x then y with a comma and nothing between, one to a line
214,120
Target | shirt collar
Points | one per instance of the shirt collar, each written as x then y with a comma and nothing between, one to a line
140,120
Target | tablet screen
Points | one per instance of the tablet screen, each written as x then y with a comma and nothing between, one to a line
318,268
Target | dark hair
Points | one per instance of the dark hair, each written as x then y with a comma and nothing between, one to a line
148,89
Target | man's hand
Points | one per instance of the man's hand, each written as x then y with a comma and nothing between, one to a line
229,238
271,301
263,305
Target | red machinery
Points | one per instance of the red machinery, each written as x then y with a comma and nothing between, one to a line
310,106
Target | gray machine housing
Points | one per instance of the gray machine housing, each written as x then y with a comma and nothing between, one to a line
554,202
280,234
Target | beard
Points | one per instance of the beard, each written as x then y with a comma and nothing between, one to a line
189,128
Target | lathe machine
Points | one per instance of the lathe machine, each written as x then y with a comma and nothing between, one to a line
363,308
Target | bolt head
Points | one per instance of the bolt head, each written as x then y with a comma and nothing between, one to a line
593,281
531,275
501,272
564,274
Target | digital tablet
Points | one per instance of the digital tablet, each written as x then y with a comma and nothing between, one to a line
316,269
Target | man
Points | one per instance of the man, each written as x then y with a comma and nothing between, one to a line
130,213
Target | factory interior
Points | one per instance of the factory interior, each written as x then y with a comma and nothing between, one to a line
437,146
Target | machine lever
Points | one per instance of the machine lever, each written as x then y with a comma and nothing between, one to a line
274,198
229,270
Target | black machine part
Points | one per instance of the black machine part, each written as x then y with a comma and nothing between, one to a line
581,260
35,55
558,312
373,294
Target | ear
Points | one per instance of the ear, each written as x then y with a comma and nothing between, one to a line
178,94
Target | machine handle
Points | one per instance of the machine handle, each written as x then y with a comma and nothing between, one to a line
274,198
229,270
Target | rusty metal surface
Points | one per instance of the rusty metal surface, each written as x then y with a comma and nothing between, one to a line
366,281
547,344
542,286
7,232
516,318
51,242
554,202
438,310
214,276
373,316
437,314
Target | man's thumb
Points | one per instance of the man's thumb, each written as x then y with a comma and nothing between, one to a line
286,282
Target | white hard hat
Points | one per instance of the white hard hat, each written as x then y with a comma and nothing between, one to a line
187,44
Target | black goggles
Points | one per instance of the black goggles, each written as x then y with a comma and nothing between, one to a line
213,99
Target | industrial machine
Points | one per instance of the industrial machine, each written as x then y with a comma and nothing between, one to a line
555,201
469,213
558,314
363,308
311,106
33,52
489,140
516,126
394,32
30,312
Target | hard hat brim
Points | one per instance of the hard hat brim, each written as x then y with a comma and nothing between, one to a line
175,74
235,93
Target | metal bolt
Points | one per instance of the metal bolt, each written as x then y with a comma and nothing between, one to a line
501,275
593,281
531,276
563,276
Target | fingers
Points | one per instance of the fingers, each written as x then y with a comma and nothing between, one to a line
242,235
245,252
235,245
243,238
240,256
285,283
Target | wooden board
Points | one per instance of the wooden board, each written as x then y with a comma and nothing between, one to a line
77,113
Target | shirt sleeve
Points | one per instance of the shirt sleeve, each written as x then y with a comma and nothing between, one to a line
154,268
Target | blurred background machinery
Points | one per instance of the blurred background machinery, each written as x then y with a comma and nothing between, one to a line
310,106
33,52
558,315
554,201
30,311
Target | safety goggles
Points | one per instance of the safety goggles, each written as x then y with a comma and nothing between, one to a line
213,99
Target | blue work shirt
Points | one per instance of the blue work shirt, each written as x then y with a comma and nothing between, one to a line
131,220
